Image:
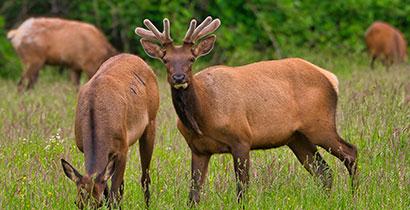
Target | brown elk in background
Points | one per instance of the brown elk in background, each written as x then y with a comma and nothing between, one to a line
262,105
115,108
39,41
387,43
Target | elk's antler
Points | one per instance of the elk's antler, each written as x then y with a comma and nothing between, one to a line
206,27
153,34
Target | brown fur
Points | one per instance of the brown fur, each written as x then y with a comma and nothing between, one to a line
257,106
39,41
115,108
387,43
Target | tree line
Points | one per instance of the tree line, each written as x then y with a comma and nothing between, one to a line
251,29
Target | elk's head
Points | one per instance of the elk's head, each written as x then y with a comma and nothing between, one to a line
91,189
178,59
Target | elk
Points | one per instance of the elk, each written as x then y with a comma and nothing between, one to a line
115,108
261,105
387,43
54,41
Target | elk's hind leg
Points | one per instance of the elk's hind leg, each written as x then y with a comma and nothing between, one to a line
146,146
307,154
335,145
372,62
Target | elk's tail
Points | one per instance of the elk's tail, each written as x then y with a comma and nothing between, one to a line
11,34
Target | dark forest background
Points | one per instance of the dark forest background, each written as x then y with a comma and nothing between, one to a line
251,30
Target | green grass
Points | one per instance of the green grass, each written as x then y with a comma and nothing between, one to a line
36,130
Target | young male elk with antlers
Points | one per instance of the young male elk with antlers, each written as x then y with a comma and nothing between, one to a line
115,108
257,106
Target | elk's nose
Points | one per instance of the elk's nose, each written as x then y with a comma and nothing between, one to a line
178,78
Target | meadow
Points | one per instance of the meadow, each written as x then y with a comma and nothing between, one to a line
36,131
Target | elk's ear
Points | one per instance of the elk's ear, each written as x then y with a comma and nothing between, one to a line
152,49
70,171
205,46
109,170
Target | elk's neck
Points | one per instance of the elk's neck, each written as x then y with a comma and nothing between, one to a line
95,163
95,149
186,104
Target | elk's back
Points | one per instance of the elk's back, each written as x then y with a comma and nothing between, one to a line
123,97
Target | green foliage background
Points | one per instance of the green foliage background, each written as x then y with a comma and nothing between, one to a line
37,128
250,28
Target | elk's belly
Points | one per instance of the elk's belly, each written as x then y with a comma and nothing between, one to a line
136,129
272,134
208,145
271,141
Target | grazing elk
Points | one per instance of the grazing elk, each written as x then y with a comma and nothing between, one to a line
115,108
257,106
387,43
39,41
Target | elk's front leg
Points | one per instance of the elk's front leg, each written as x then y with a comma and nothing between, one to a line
30,75
241,166
199,168
117,181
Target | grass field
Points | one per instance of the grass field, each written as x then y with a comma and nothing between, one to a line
36,131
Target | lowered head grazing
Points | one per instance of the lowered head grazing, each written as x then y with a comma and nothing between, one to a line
178,59
42,41
116,108
91,187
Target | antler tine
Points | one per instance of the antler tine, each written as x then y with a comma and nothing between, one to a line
153,33
201,27
213,26
144,33
153,29
191,29
167,33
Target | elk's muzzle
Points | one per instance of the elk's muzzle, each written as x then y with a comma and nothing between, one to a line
179,81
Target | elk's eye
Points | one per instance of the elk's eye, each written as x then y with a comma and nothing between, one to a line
192,59
165,61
